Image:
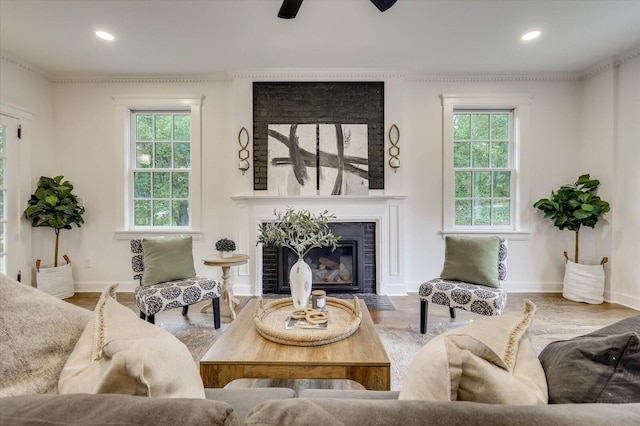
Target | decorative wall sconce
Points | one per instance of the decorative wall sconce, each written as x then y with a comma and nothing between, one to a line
243,153
394,149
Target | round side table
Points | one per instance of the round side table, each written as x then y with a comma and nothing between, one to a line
227,286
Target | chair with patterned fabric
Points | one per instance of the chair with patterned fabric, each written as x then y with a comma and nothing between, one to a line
470,279
164,267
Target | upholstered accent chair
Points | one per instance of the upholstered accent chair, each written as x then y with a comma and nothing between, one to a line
154,298
469,296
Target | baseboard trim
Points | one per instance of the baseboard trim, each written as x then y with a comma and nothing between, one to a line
513,287
624,299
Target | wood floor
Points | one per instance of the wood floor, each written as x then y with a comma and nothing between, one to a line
552,310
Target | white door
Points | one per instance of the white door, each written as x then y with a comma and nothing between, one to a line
9,187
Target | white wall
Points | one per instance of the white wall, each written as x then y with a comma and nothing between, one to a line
534,265
30,90
596,157
84,132
86,147
626,204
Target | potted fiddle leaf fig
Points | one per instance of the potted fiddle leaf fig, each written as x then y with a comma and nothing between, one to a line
571,207
54,205
300,231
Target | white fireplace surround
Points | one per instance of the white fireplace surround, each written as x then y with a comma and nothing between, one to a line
384,210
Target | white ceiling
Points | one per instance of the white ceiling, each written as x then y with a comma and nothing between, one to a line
424,36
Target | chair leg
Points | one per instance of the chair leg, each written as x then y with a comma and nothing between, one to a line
142,315
151,319
424,310
452,312
185,310
216,312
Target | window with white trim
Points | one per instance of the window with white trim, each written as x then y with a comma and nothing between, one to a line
482,173
482,167
160,168
161,181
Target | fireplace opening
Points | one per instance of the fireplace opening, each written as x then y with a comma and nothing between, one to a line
348,269
334,271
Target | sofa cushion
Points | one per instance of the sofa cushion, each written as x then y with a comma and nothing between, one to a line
167,259
472,260
37,334
243,400
603,366
120,353
417,413
120,410
489,360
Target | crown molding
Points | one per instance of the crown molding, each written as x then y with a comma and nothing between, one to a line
612,62
598,68
186,78
474,78
25,66
628,55
330,73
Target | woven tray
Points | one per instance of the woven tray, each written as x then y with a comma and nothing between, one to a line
344,320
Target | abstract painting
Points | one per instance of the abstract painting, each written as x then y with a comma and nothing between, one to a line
292,159
298,153
343,156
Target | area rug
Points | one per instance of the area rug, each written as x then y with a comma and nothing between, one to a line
402,344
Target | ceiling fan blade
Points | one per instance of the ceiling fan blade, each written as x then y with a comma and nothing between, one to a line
289,9
383,5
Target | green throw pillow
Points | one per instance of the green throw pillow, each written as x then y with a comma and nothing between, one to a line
167,259
472,260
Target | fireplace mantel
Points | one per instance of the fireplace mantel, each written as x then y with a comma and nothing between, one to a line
383,209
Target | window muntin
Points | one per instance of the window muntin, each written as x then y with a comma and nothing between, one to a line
483,168
161,168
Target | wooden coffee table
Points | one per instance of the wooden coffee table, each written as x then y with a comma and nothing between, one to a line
242,353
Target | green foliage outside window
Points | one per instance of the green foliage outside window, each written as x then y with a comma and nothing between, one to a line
481,168
161,194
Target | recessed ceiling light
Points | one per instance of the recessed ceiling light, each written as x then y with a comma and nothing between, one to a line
530,35
105,35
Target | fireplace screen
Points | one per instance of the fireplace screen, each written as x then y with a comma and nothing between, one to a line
333,271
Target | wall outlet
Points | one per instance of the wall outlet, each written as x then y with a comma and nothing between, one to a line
88,262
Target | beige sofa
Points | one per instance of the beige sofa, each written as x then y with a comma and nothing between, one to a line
37,333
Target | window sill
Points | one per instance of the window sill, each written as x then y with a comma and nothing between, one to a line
133,234
507,235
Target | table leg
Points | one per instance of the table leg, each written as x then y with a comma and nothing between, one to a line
227,290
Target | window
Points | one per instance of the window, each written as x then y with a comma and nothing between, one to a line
482,167
161,166
161,185
484,138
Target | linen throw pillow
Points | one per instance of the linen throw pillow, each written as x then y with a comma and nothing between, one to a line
37,334
490,360
167,259
603,366
472,260
120,353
